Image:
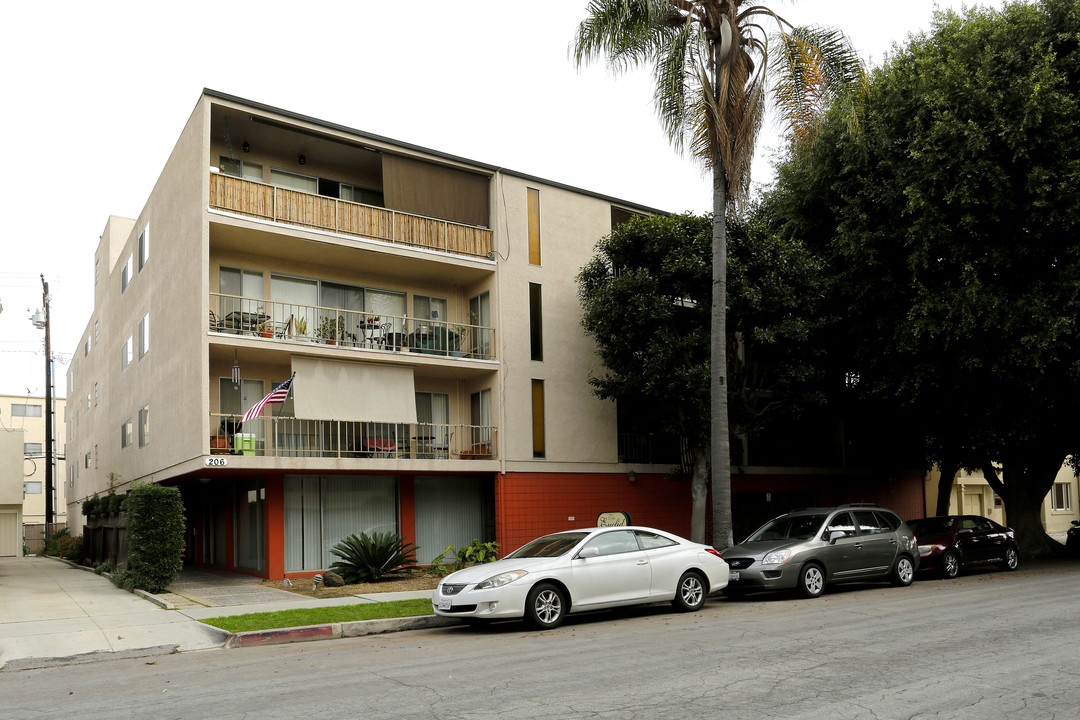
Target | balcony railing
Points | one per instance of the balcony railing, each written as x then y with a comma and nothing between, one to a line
348,328
295,207
293,437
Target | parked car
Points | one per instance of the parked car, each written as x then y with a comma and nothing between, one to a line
580,570
806,550
951,543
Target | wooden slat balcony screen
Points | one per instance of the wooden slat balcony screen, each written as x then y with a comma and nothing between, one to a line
269,202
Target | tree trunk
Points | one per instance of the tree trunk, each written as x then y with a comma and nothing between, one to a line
699,491
720,443
948,468
1023,491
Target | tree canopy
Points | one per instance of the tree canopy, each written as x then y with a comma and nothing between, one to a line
948,220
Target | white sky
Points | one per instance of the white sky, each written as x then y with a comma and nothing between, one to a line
98,93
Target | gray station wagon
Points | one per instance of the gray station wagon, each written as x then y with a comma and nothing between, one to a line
805,550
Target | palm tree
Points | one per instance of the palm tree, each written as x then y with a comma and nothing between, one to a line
709,60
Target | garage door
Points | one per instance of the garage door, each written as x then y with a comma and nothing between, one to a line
9,534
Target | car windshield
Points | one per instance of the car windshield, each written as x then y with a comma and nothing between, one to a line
933,526
549,545
789,527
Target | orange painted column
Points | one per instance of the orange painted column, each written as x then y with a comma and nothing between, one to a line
274,511
407,503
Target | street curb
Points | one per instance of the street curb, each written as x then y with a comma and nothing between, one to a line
327,631
35,663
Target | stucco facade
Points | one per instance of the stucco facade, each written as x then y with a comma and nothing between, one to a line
972,495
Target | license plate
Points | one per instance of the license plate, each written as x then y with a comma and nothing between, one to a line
444,604
733,576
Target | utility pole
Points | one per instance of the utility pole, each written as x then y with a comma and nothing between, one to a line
50,514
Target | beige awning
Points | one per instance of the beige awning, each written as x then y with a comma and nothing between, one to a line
357,391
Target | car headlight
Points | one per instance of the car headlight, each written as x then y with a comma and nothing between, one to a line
501,579
776,558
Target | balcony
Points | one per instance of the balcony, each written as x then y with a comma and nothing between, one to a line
255,317
287,437
294,207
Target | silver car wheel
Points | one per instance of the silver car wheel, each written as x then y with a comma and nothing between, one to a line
903,572
812,581
950,564
548,606
1012,558
690,595
545,606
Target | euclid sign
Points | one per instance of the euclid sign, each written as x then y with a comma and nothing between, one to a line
616,518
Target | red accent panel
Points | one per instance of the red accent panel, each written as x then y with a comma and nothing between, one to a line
274,506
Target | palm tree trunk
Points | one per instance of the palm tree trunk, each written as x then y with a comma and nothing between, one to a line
720,443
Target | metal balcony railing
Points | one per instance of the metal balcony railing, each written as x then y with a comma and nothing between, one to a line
295,207
256,317
294,437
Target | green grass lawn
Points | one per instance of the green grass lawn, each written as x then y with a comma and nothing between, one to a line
322,615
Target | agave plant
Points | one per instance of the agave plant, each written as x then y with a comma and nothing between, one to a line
367,558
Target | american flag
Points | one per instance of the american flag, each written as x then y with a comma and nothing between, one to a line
277,395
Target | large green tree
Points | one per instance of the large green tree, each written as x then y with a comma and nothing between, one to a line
645,299
950,217
710,59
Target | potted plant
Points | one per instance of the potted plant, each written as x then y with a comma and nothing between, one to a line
331,328
300,327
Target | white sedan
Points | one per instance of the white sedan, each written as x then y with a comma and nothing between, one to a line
581,570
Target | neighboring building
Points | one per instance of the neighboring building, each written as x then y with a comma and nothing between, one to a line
426,305
972,495
11,492
28,414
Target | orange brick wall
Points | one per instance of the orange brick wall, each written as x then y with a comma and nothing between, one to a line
528,505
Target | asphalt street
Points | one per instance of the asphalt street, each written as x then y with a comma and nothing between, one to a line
986,645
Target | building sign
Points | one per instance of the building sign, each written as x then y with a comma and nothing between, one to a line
216,461
617,518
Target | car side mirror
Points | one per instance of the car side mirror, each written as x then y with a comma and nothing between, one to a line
835,535
589,552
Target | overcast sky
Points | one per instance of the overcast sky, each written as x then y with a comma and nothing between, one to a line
97,94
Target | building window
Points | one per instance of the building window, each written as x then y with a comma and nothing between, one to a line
144,426
87,402
480,416
97,331
539,442
86,346
32,487
86,461
125,274
239,168
24,410
125,433
536,322
31,448
97,270
480,314
1062,497
96,394
295,181
125,353
144,246
429,308
534,226
144,335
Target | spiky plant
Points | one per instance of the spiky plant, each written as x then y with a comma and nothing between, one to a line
368,558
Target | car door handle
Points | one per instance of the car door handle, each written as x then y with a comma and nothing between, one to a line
642,562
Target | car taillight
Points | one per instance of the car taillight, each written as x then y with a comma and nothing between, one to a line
712,551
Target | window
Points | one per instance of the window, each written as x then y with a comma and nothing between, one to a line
360,195
97,331
480,314
86,461
86,346
842,522
294,181
144,335
241,168
538,418
125,353
24,410
125,274
429,308
870,523
31,448
32,487
125,433
536,322
433,425
614,542
480,415
88,402
534,226
1062,499
144,426
144,246
245,288
96,394
652,541
97,270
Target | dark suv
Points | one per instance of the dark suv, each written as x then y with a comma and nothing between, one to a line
807,549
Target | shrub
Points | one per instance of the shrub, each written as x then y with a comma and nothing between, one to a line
104,568
90,505
474,553
114,503
155,532
367,558
124,579
63,544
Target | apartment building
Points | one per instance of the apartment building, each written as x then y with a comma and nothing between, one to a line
28,415
425,308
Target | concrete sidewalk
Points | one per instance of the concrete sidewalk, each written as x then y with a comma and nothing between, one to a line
54,613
